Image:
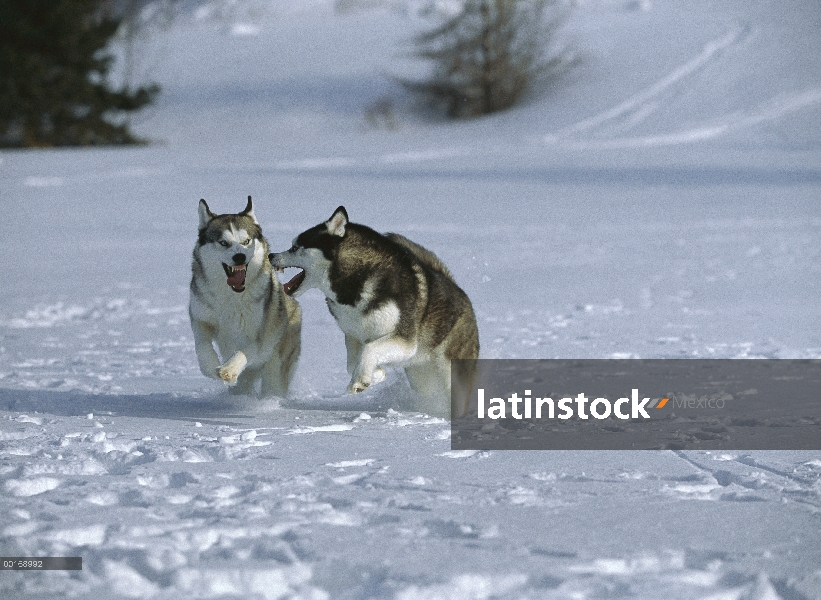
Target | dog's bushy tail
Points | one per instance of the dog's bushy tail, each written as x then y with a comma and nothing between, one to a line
423,254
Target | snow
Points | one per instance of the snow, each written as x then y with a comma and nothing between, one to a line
659,200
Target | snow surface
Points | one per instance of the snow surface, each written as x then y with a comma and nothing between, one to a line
660,199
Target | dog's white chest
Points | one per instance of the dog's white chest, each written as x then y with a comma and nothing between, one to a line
243,321
365,326
237,324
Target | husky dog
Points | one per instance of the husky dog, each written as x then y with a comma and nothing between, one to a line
396,303
237,302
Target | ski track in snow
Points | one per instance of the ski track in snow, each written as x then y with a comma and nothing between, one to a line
640,103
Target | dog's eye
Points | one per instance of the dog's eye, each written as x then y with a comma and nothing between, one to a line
224,244
247,242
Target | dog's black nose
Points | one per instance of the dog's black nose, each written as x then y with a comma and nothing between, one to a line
239,259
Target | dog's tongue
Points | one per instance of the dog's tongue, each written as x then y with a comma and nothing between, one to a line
237,278
294,283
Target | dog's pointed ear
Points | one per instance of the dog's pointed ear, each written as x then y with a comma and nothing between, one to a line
249,210
205,214
336,224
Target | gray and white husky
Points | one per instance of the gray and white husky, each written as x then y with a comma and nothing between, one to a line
237,302
396,303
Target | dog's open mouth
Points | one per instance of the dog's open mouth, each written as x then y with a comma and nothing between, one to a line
236,277
292,285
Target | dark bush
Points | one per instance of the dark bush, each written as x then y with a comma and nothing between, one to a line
53,76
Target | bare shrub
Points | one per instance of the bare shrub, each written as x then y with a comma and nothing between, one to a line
486,57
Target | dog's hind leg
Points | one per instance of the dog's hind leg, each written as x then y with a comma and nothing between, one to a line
274,379
464,379
431,381
277,375
279,370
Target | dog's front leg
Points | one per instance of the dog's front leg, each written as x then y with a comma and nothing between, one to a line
383,351
354,347
231,369
252,356
207,357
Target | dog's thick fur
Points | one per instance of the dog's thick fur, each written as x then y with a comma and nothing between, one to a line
396,303
237,302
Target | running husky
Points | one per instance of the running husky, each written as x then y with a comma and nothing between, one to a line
237,302
396,303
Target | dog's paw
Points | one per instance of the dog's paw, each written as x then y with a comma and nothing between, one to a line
228,375
232,369
357,386
361,382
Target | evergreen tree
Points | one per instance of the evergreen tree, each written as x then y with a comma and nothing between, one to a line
53,76
487,56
